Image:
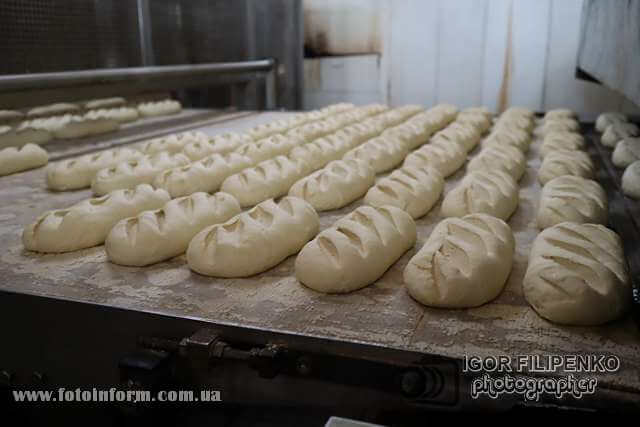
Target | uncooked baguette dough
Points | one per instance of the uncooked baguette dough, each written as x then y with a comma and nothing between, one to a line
572,198
615,132
253,241
172,143
320,152
481,122
493,192
577,275
159,108
445,157
413,189
457,133
560,125
308,132
122,115
265,130
78,172
10,116
268,148
464,263
605,119
559,113
115,101
514,137
204,175
130,173
412,135
356,250
561,141
155,236
17,137
28,156
631,180
53,110
508,159
627,151
336,185
87,223
219,144
269,179
381,153
558,163
514,122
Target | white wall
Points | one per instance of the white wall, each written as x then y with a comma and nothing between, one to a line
468,52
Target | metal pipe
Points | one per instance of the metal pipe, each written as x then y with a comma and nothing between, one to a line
16,82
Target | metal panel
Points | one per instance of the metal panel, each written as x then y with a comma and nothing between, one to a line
56,35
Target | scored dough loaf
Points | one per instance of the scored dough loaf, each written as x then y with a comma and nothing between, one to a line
204,175
122,114
157,235
381,153
615,132
514,137
480,121
267,148
356,250
130,173
336,185
508,159
412,135
269,179
560,125
631,180
28,156
605,119
572,198
159,108
253,241
555,141
171,143
558,163
52,110
17,137
513,122
493,192
78,172
626,152
219,144
464,263
465,135
87,223
577,275
308,132
413,189
115,101
320,152
7,116
444,156
559,113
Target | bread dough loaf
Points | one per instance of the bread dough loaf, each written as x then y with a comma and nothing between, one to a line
605,119
17,137
413,189
464,263
577,275
87,223
253,241
172,143
336,185
219,144
320,152
631,180
269,179
381,153
556,141
627,151
559,113
508,159
480,121
265,130
78,172
560,125
159,108
268,148
155,236
558,163
456,133
493,192
572,198
7,116
514,122
444,156
204,175
53,110
513,137
356,250
308,132
28,156
615,132
115,101
121,115
412,135
130,173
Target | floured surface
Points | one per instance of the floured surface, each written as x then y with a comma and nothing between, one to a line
380,314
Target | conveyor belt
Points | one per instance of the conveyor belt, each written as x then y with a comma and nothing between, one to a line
382,314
